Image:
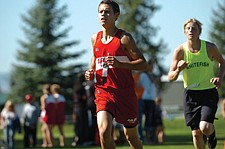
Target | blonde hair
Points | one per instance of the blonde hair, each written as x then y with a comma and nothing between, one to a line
9,106
55,88
198,23
46,89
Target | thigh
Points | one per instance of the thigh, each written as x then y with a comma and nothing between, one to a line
148,106
104,121
200,105
131,132
209,105
145,106
105,101
208,113
126,107
192,109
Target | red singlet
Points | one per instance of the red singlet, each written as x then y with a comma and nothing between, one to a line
117,94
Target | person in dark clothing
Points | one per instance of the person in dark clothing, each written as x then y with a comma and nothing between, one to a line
148,81
159,120
80,113
92,129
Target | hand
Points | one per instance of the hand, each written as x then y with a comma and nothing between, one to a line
216,81
112,61
181,65
89,74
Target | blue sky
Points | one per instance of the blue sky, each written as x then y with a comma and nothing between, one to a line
83,19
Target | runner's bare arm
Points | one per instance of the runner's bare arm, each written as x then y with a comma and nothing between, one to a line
138,61
214,53
177,65
90,72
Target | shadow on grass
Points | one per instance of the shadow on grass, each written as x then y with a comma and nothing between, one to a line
170,140
68,142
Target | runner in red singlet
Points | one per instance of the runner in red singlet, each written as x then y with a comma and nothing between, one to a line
114,56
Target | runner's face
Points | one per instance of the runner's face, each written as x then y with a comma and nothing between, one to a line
106,15
192,31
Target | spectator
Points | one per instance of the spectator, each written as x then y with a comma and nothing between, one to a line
46,134
10,122
30,115
223,109
92,119
80,113
159,121
147,81
55,106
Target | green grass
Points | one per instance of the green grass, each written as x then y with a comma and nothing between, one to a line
178,136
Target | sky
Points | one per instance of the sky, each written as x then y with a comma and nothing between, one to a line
84,22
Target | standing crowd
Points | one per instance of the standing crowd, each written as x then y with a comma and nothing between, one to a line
51,114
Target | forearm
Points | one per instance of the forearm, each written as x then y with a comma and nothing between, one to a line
223,113
222,70
139,64
173,75
92,65
223,109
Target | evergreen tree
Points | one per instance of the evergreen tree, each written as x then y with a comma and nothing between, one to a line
135,18
43,57
217,35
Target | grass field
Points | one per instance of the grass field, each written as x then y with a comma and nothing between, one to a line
178,136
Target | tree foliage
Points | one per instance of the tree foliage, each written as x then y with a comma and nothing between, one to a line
135,18
44,56
217,34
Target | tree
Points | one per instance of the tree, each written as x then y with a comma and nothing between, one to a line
44,58
135,18
217,35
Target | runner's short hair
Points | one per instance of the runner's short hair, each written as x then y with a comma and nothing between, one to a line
199,24
115,6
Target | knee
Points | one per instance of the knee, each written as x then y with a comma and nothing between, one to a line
206,127
104,133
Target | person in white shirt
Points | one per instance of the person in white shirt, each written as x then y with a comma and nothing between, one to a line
30,115
10,123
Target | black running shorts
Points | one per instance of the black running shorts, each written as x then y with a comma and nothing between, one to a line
200,105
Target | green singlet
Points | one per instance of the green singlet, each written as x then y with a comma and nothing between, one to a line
197,74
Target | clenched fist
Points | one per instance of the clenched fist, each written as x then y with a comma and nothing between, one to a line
89,74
